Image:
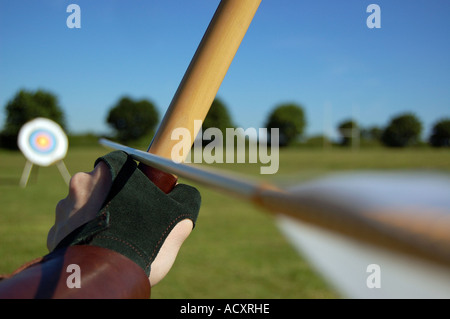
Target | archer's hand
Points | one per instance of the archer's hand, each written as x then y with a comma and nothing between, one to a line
116,207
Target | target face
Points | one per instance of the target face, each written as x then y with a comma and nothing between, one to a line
43,142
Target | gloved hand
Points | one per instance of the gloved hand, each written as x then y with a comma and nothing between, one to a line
137,219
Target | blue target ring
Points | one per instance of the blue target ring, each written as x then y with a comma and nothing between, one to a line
42,141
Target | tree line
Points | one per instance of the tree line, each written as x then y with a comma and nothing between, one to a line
132,119
402,130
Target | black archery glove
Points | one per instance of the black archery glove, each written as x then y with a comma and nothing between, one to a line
137,216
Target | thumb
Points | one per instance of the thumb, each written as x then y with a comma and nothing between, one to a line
189,199
169,251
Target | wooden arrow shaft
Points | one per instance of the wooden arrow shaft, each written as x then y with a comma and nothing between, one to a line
416,232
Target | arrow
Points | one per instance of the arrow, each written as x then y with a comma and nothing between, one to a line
332,206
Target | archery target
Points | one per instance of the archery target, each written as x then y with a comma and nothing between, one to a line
42,141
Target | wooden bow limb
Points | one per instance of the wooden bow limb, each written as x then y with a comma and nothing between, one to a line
201,82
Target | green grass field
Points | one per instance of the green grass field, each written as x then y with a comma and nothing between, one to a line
236,250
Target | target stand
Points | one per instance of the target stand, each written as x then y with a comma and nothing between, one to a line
43,142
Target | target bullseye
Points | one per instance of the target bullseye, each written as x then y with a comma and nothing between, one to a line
43,142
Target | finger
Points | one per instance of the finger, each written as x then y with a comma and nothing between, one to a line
189,197
51,239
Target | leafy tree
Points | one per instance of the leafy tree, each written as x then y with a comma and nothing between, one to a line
440,136
218,116
26,106
348,129
132,119
403,130
290,119
372,133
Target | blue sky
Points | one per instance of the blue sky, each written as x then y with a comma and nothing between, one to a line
317,53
